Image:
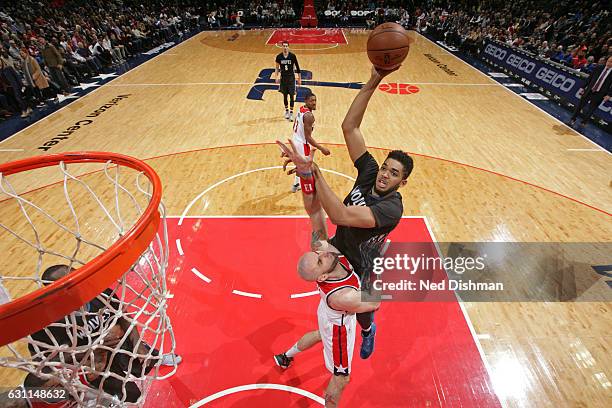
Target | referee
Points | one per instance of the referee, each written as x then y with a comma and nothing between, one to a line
287,64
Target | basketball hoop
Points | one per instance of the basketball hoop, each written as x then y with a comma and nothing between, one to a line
103,228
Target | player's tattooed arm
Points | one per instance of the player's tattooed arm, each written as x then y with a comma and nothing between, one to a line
318,240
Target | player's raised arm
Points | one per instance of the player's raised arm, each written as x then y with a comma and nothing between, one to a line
352,121
350,300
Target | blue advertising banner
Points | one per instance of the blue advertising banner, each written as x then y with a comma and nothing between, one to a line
554,81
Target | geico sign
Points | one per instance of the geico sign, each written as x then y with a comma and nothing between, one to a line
495,52
521,64
556,79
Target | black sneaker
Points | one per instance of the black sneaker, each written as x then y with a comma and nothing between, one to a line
282,360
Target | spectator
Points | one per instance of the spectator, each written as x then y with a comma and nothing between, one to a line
597,89
34,76
112,51
13,80
559,55
91,59
579,60
54,62
588,67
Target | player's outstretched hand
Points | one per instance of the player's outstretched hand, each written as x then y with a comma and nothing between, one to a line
383,72
303,164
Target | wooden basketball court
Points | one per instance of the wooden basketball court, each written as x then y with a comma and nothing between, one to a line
489,166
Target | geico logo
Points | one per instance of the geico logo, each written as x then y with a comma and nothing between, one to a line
495,52
556,79
521,64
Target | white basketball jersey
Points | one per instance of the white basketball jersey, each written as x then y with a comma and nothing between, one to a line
299,137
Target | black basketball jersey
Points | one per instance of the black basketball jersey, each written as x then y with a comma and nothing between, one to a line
87,324
361,245
288,65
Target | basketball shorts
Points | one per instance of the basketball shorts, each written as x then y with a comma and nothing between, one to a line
287,86
338,341
307,185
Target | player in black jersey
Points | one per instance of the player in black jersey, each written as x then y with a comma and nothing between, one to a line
287,64
373,207
84,326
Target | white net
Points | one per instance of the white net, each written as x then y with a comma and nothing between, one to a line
106,352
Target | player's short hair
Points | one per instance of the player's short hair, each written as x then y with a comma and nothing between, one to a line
285,42
55,272
309,95
403,158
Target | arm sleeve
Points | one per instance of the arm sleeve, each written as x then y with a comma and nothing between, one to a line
367,168
278,59
387,213
297,64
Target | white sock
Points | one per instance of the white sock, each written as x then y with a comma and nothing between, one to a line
297,180
367,330
293,351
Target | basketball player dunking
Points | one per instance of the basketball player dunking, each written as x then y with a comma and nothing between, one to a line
287,64
340,291
373,207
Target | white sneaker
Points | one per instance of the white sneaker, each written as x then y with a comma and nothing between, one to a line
290,116
170,360
295,188
286,114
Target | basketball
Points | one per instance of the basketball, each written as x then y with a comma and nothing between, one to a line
388,46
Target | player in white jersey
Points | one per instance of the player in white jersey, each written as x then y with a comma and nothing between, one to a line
340,291
303,127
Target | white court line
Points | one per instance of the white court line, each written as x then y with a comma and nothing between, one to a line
585,150
534,96
466,316
259,216
301,295
311,49
192,84
522,99
268,40
250,387
218,183
101,87
200,275
179,247
247,294
12,150
447,84
344,35
498,75
263,83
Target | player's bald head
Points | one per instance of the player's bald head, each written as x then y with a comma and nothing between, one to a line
307,266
